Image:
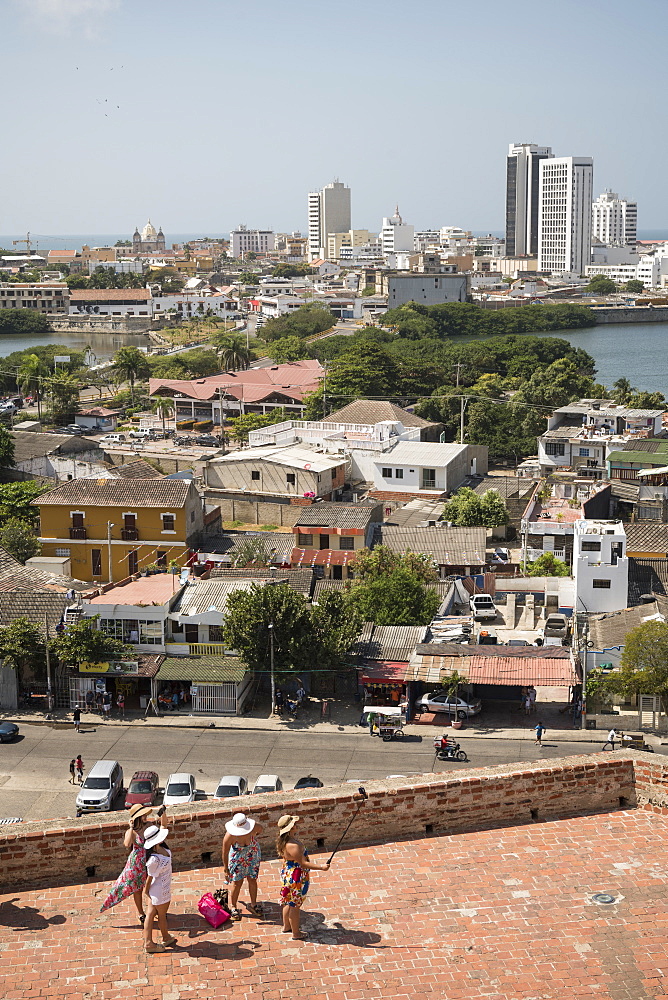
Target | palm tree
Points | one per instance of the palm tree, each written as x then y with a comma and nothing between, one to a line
29,378
132,364
163,407
232,351
622,390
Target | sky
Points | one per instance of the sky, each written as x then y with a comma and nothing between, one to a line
208,113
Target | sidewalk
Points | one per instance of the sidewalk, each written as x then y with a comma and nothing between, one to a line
503,725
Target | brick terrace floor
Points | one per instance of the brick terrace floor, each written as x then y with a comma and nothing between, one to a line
496,914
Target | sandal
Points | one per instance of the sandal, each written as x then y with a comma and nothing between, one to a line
169,942
154,947
257,910
142,918
235,913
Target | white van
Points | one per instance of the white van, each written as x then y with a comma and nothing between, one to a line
112,439
141,434
103,783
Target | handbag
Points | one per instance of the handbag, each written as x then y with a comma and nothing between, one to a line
212,911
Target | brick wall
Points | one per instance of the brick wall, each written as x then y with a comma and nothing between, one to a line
62,850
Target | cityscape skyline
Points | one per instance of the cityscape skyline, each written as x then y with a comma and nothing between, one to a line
121,141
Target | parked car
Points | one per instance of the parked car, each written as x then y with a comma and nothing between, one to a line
501,555
180,787
112,439
556,625
267,783
518,642
74,429
441,701
140,434
8,731
309,782
8,408
143,789
103,783
482,607
208,440
230,786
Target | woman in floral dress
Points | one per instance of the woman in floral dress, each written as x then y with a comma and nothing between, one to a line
241,860
132,879
295,874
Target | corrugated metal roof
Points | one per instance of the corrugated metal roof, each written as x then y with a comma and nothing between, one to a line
211,669
293,458
388,642
209,596
607,631
648,536
495,669
300,580
448,546
647,576
420,453
339,515
277,545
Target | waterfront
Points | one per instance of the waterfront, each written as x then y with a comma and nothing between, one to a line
103,345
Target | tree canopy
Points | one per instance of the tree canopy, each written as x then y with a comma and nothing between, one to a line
548,565
303,322
247,422
19,539
17,502
467,509
83,642
601,285
398,598
23,645
644,663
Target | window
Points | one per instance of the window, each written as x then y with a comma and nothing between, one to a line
584,452
601,585
133,563
77,520
255,474
63,553
161,558
398,473
304,540
96,560
591,546
168,522
291,479
346,542
215,633
387,473
554,448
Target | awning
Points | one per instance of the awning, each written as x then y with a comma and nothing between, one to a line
382,672
512,671
321,557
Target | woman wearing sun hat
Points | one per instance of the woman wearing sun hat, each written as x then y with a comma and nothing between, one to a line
132,879
241,860
295,874
158,887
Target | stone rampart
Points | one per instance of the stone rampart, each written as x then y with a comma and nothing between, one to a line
65,851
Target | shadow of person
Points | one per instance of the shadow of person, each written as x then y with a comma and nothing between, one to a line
26,918
335,933
222,950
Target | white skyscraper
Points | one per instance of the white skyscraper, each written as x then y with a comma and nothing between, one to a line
328,212
614,219
396,236
564,214
522,181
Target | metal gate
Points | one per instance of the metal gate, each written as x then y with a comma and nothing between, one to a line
78,688
649,707
214,699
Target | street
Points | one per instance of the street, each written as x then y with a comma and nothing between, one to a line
34,770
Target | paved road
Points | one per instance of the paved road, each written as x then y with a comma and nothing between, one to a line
34,770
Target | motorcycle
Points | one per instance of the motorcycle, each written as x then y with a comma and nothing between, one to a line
449,750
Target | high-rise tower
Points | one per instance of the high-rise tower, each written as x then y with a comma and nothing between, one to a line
328,212
564,216
522,180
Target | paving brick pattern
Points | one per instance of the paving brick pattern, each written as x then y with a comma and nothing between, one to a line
496,914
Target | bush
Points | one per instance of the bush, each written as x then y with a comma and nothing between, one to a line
184,425
202,425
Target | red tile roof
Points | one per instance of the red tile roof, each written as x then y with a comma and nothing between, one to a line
293,380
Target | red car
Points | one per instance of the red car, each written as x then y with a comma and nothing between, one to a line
143,788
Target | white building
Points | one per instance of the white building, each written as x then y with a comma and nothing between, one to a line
522,197
244,241
614,219
396,236
186,304
600,566
564,214
328,212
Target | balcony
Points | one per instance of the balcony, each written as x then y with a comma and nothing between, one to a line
78,533
130,534
175,648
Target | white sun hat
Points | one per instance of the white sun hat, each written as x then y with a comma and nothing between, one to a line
240,824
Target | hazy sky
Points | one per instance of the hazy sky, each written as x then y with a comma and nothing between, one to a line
205,113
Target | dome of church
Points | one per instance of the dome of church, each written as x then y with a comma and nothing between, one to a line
148,232
396,218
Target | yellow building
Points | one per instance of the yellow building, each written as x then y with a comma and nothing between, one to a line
112,529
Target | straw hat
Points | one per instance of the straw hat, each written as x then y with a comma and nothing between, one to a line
286,823
139,810
240,824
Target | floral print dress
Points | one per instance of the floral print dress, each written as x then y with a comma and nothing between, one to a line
244,861
296,881
132,878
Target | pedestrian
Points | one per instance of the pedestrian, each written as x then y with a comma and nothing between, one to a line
301,693
106,704
278,703
612,736
539,730
371,720
98,702
120,704
295,874
79,764
241,860
90,698
527,704
72,769
532,697
158,887
132,879
76,718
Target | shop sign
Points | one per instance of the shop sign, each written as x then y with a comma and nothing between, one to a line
111,667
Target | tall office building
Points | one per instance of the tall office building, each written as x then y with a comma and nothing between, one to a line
328,212
564,214
614,219
522,179
396,235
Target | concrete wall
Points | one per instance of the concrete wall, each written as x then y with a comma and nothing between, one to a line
105,324
256,511
33,853
641,314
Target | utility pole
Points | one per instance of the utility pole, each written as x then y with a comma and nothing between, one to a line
324,391
109,566
463,403
458,367
271,661
49,693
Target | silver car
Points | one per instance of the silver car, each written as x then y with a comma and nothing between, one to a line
230,786
440,701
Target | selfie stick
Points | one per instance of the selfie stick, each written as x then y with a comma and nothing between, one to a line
364,795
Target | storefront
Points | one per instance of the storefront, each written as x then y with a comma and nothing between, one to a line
203,685
132,678
383,683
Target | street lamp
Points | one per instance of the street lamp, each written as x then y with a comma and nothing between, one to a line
271,661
